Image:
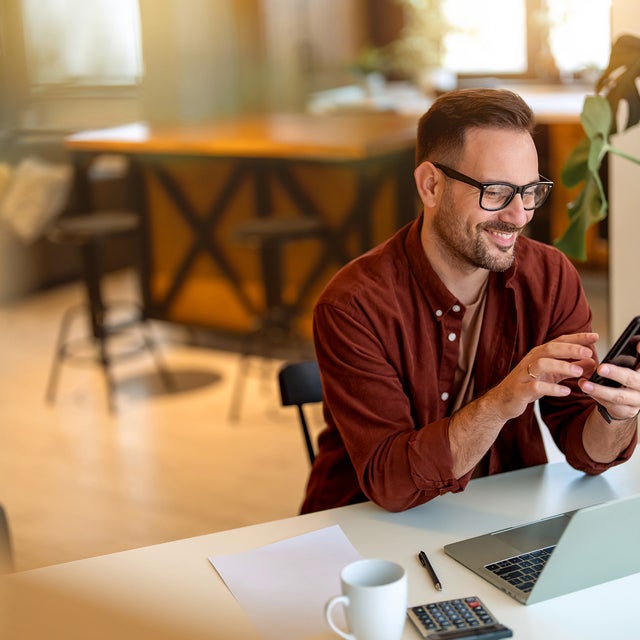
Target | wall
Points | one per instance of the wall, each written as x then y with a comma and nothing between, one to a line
624,192
309,46
206,59
195,59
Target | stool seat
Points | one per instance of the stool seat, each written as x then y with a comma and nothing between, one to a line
91,233
93,227
279,229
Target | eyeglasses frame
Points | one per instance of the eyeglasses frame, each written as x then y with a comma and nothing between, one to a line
461,177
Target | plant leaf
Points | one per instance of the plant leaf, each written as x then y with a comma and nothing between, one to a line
591,205
588,208
576,168
596,118
618,82
587,156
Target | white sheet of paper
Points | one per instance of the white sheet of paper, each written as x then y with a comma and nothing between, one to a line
284,586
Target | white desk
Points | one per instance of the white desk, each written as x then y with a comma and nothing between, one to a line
551,103
171,591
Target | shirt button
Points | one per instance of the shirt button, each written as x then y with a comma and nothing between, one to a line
439,312
456,307
452,336
444,396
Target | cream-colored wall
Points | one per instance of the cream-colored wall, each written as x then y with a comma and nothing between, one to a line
204,59
193,58
624,197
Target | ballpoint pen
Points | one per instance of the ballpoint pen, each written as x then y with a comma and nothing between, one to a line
424,561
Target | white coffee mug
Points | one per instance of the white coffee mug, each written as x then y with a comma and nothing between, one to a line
374,596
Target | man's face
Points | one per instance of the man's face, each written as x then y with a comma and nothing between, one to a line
469,234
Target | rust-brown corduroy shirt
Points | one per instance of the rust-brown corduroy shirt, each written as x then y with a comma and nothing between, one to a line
386,335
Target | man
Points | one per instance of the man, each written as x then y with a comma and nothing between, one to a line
434,346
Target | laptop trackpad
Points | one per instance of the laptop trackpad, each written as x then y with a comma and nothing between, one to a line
535,535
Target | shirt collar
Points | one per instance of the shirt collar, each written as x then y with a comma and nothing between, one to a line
438,297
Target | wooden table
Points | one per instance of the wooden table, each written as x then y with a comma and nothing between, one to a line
171,591
195,183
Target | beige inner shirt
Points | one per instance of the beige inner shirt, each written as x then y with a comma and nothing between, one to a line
465,372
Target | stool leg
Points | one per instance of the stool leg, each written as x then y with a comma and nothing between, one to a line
6,552
152,348
103,358
271,261
92,264
59,355
276,313
241,377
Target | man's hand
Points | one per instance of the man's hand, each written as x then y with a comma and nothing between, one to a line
621,402
605,439
542,370
475,427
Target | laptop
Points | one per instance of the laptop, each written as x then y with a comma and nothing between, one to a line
557,555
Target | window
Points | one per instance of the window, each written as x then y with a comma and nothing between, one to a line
76,42
494,30
535,38
579,33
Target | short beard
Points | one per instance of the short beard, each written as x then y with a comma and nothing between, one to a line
470,248
484,258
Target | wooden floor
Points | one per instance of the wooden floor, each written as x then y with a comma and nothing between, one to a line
79,482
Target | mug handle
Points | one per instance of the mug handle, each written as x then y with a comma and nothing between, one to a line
327,614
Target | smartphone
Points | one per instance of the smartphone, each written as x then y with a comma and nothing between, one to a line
623,353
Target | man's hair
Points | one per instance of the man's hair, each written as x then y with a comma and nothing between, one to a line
441,130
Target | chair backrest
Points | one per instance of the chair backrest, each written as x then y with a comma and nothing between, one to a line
299,385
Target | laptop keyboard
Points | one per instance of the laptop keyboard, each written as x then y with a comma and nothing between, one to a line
522,571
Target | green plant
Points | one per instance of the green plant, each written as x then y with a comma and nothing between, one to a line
601,118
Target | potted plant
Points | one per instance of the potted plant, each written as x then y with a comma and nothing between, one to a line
602,116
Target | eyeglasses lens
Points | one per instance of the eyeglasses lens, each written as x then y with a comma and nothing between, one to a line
497,196
535,195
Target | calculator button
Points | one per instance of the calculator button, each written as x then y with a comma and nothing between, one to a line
456,619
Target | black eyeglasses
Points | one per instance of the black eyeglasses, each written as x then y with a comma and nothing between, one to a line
497,195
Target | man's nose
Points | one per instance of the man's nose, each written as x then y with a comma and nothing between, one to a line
515,213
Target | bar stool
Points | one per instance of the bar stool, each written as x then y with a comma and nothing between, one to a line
91,233
275,325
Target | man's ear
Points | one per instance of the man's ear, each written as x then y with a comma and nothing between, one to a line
428,182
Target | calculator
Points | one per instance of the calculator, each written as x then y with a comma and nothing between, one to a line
466,618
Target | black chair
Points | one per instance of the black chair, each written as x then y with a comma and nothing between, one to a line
6,555
91,233
300,384
274,326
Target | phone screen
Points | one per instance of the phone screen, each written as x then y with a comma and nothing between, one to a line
623,353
